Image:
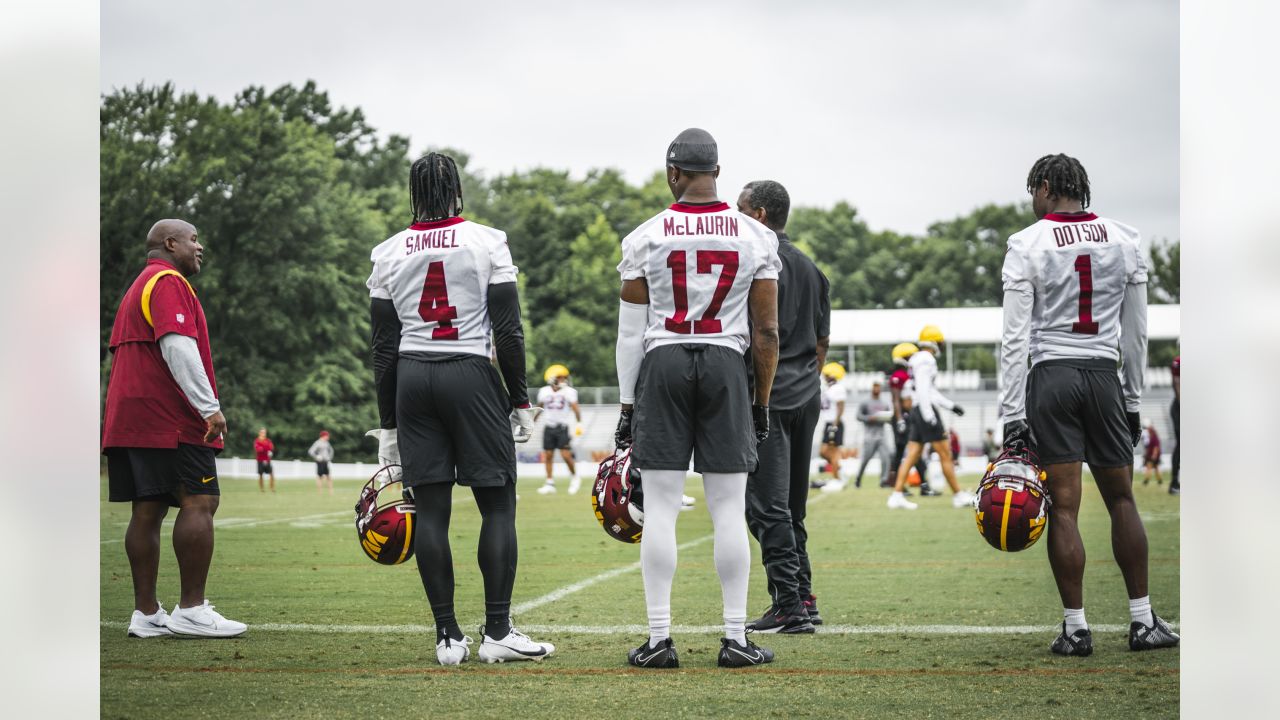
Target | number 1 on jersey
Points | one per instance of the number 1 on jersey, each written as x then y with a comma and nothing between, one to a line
1086,325
707,259
434,305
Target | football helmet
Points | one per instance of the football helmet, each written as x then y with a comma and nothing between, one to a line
902,352
1012,505
617,498
385,525
834,370
930,333
554,372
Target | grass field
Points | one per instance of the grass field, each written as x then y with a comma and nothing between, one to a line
924,620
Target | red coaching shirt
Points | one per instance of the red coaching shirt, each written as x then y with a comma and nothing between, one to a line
263,449
145,406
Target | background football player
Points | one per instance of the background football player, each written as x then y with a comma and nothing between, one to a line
925,426
1075,301
874,413
560,403
901,390
437,290
691,276
1151,454
831,417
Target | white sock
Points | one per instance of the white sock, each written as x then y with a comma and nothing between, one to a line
662,491
1140,611
727,503
1074,618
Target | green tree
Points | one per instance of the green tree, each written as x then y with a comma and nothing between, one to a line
1164,280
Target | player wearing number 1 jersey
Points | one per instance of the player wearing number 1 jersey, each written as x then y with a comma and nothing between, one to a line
691,276
1075,302
438,290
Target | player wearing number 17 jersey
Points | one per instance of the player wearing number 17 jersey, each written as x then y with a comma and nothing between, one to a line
1075,302
438,289
691,276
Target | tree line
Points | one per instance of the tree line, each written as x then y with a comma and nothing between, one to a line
290,193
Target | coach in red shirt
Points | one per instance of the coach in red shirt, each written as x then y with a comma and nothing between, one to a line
162,428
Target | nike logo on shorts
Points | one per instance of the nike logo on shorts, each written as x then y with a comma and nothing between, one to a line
206,480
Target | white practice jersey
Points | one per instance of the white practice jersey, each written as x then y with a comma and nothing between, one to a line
558,404
438,276
925,395
699,262
1065,281
832,396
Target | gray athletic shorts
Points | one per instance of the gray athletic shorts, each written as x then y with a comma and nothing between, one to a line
1076,410
692,400
454,423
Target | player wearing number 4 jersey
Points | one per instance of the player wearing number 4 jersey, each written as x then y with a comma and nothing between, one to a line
691,275
1075,301
438,290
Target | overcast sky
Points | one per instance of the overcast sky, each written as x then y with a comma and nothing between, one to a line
912,111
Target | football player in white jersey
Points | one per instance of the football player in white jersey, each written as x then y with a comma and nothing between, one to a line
1075,303
925,426
438,290
831,416
559,402
691,276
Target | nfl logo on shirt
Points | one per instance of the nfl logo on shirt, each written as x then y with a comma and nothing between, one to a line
182,318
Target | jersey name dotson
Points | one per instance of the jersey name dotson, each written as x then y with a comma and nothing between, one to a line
1080,232
430,240
700,225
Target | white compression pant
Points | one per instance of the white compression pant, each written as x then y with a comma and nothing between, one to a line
726,501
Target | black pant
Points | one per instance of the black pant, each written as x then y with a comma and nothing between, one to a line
497,553
900,449
1175,415
776,497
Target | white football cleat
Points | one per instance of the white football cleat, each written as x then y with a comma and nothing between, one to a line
203,621
453,652
686,502
547,489
574,484
515,646
962,499
898,501
148,626
833,486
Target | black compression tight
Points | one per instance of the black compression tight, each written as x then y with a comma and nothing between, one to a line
496,554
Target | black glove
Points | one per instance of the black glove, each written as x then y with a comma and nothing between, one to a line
622,436
1017,434
1135,427
959,411
760,417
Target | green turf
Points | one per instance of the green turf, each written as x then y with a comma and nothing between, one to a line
872,567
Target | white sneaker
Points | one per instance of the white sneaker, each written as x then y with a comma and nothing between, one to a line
515,646
962,499
203,621
833,486
898,501
453,652
147,626
686,502
574,484
547,489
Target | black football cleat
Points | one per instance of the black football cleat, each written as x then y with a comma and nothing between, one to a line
663,656
811,607
776,621
1079,643
1153,637
736,655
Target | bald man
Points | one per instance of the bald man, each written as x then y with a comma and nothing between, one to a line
162,428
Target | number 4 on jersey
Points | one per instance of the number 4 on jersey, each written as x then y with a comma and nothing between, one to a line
434,305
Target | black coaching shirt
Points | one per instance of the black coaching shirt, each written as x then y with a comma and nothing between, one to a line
804,315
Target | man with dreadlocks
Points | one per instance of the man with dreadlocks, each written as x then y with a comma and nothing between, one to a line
437,290
1075,301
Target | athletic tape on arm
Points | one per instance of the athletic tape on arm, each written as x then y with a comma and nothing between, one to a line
632,321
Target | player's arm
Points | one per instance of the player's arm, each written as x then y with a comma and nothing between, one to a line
508,337
864,414
577,412
1133,343
822,322
385,324
182,354
839,412
1015,338
824,344
763,305
633,318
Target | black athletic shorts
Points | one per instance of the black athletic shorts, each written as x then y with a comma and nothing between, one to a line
833,434
1076,410
921,430
161,473
692,400
555,437
322,467
264,467
454,423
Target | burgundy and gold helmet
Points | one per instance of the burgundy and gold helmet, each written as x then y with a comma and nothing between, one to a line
1012,504
617,498
385,519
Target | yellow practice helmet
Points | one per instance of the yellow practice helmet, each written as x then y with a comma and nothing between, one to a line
555,371
833,370
903,351
930,333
